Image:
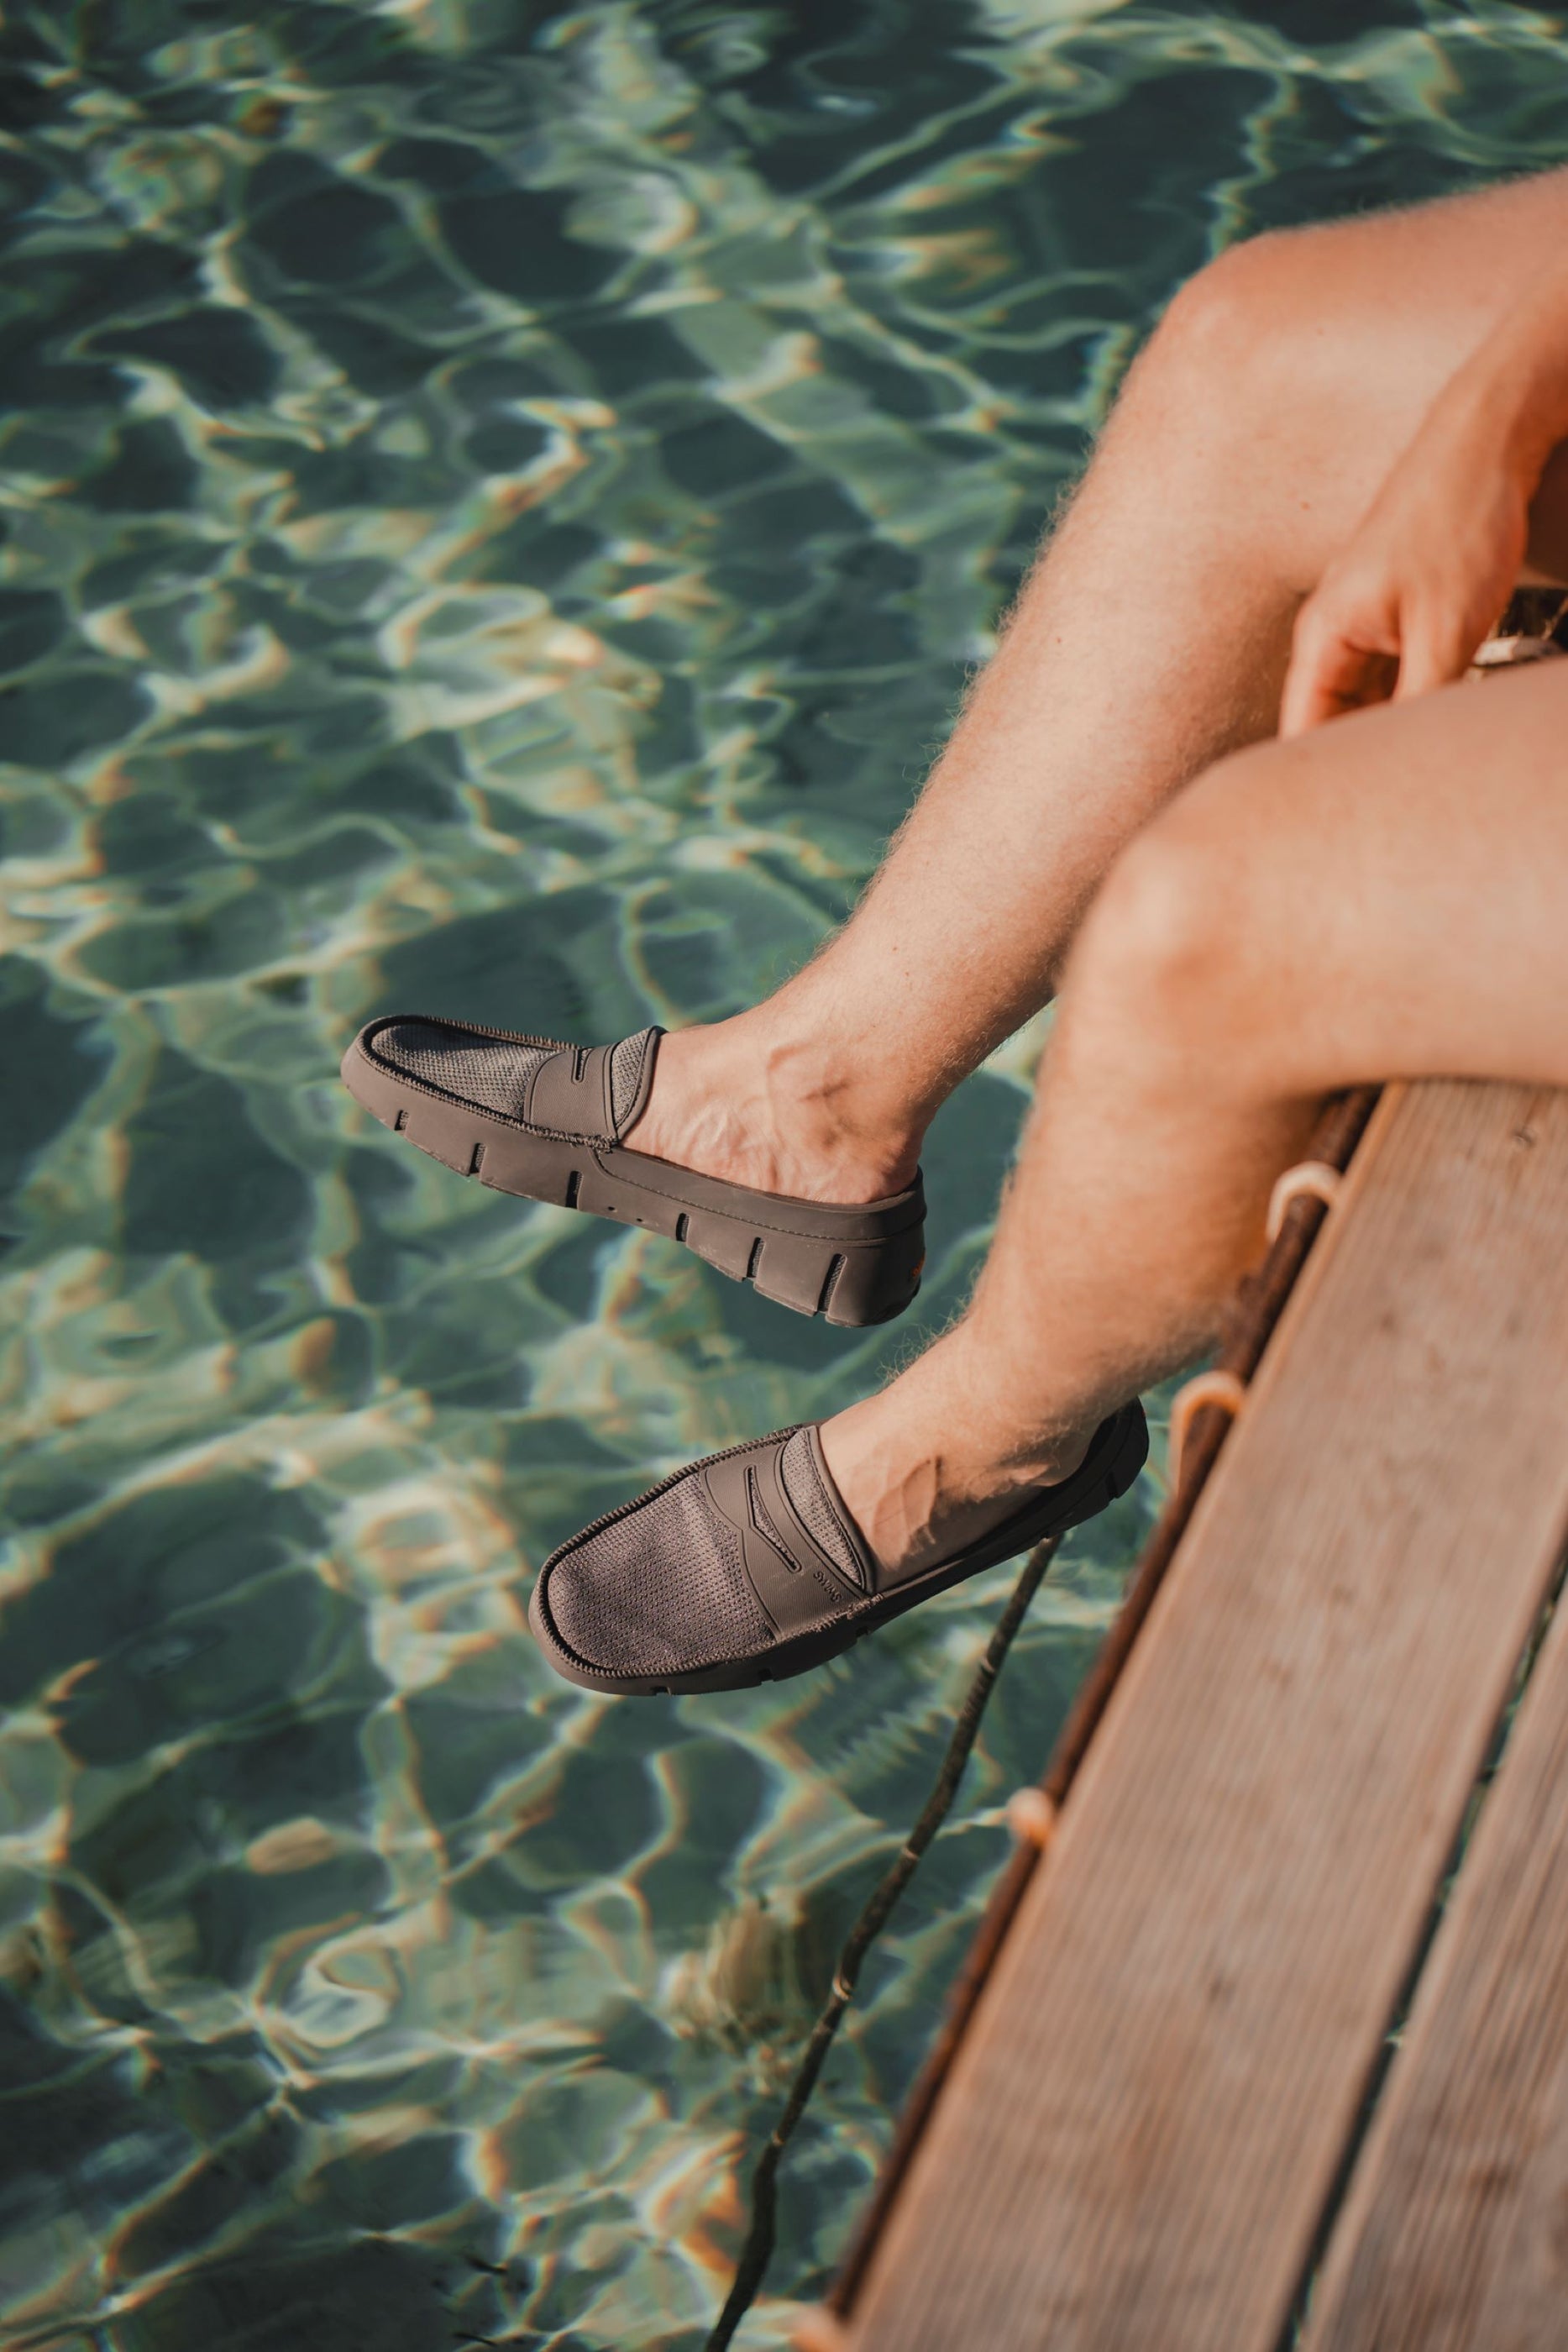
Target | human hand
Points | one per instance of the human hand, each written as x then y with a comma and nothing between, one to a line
1404,605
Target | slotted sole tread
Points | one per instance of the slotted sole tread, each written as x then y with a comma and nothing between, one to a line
812,1274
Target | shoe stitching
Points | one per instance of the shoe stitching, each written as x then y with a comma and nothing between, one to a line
852,1534
764,1526
600,1144
873,1606
624,1511
745,1192
617,1127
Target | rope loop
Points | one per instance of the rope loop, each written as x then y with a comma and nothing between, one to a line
1221,1388
1313,1178
1031,1817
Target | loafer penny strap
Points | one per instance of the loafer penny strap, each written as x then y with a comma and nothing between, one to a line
570,1092
573,1091
793,1578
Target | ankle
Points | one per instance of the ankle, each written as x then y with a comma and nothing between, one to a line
957,1457
832,1088
760,1100
930,1463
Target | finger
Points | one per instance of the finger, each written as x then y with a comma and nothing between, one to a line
1328,675
1344,654
1315,657
1308,700
1437,648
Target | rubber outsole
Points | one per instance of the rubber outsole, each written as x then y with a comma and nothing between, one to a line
854,1267
1093,1488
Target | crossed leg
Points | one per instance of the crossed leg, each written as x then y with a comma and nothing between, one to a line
1383,899
1252,433
1376,900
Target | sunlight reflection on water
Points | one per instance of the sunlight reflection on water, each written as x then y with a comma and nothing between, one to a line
499,506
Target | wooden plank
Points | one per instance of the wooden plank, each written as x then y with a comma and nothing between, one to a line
1455,2236
1145,2122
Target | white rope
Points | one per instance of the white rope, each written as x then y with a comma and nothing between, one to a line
1222,1389
1313,1177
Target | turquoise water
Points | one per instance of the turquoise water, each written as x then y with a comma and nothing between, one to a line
499,506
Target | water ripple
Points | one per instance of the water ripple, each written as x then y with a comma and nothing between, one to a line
499,503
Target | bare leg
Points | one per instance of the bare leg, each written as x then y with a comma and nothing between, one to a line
1253,432
1381,899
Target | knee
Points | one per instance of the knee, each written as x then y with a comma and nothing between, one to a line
1258,328
1176,950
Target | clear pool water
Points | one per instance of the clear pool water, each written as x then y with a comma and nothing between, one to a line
499,505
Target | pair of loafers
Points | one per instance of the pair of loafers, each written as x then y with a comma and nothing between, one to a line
746,1567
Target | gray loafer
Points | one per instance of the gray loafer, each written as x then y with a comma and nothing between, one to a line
747,1568
531,1115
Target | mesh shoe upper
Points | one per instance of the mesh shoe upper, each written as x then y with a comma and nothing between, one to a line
669,1586
802,1482
626,1076
659,1589
503,1074
491,1071
715,1579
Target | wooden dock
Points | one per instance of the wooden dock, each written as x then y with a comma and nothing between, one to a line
1242,2062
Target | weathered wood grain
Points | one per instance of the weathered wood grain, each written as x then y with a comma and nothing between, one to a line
1455,2236
1144,2124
